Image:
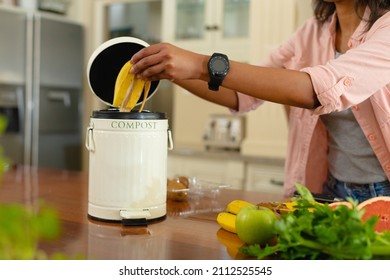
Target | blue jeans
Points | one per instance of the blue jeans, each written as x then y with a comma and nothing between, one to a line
359,192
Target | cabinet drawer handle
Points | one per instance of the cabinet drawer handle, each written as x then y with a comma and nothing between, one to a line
212,27
276,182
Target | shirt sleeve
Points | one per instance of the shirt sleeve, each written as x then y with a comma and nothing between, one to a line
356,75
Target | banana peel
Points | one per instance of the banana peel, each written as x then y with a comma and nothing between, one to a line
279,207
128,89
146,92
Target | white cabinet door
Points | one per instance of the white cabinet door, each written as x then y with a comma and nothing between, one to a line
264,177
230,172
209,26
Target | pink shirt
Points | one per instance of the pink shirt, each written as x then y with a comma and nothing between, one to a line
359,79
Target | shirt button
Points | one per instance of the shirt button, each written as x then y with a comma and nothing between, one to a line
349,44
387,167
347,82
355,108
371,137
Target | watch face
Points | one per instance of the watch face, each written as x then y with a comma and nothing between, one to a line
219,65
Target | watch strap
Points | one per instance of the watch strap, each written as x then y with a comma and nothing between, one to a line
215,82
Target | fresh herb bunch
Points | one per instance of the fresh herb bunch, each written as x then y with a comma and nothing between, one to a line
316,231
21,229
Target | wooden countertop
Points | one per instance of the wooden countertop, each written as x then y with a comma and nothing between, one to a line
188,233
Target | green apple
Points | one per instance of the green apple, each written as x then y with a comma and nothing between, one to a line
255,224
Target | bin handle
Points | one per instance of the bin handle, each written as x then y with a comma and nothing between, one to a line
89,143
170,141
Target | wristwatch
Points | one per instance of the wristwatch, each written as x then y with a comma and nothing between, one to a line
218,67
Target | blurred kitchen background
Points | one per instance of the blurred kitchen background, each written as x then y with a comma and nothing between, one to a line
44,49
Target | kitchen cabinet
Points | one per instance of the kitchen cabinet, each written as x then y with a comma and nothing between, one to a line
138,18
264,174
218,170
204,25
264,177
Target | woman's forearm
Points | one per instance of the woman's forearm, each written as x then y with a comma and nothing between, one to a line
224,97
282,86
189,70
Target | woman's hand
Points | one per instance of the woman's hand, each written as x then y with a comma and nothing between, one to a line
165,61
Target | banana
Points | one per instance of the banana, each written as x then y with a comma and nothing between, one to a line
227,221
128,89
132,95
122,83
235,206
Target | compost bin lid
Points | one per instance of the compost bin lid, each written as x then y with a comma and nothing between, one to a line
116,114
106,62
